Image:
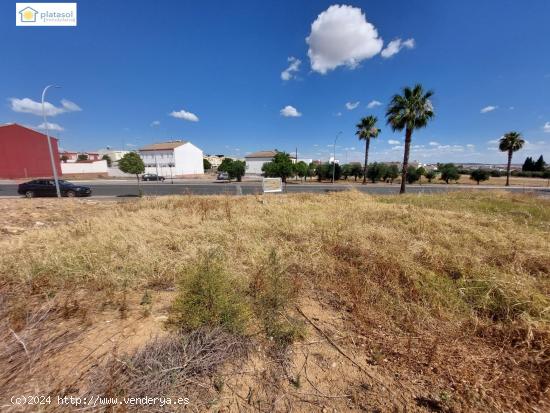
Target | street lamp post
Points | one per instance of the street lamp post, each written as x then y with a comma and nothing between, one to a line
334,156
54,169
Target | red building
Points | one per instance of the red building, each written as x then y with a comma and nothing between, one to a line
24,153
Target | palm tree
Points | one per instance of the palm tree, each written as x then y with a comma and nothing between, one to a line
366,129
510,142
411,110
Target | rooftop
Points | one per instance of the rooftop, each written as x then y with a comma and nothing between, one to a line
264,154
162,146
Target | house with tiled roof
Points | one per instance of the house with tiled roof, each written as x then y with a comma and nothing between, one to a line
172,158
255,160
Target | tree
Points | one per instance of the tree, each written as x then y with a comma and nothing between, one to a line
540,165
64,158
300,169
510,142
234,168
420,171
346,171
355,170
206,164
376,171
108,159
225,165
324,171
411,110
280,167
311,170
131,163
528,165
479,175
237,170
412,175
430,175
449,172
392,172
82,157
367,130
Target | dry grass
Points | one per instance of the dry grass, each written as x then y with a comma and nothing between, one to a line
172,366
460,281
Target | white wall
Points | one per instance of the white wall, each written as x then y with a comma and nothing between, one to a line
254,165
188,159
96,167
113,154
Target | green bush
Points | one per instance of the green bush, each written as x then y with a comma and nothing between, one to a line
273,292
209,296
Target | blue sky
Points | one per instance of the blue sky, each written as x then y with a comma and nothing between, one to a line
217,67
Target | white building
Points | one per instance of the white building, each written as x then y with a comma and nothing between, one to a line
112,153
254,161
176,158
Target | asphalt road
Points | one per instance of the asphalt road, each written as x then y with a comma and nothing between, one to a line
127,189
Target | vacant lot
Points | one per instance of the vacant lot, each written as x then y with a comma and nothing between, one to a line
275,303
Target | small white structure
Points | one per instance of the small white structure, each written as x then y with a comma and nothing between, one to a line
176,158
113,154
254,161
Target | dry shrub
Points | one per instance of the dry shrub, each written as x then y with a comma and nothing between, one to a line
168,366
24,350
274,292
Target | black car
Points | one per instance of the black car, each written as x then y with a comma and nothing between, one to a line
46,187
152,177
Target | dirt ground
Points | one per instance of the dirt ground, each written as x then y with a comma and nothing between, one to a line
20,215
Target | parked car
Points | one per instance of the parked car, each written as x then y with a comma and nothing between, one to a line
46,187
223,176
152,177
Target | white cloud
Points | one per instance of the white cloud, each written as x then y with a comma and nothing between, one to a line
393,142
352,105
546,127
155,123
493,141
470,146
397,148
290,71
182,114
338,114
433,143
70,106
51,126
488,109
395,47
27,105
290,112
373,104
341,35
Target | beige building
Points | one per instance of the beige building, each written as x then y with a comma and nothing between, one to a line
215,160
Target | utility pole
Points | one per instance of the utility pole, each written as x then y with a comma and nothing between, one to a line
54,169
296,161
334,156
